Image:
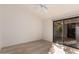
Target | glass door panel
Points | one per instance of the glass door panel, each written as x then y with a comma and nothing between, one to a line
66,32
70,34
57,25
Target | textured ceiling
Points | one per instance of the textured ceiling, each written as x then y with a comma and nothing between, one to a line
52,11
56,11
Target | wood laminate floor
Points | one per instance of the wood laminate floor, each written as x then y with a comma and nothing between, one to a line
34,47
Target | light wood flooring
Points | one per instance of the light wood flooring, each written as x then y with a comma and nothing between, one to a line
34,47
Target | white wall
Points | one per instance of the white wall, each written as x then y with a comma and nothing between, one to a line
1,16
20,25
0,34
0,30
48,30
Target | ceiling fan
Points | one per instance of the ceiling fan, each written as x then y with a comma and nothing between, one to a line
43,6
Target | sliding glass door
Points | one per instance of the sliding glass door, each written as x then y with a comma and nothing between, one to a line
69,34
57,25
66,32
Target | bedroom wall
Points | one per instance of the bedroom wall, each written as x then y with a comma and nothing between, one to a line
48,30
0,34
20,25
1,16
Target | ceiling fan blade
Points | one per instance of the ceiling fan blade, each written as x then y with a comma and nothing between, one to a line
43,6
